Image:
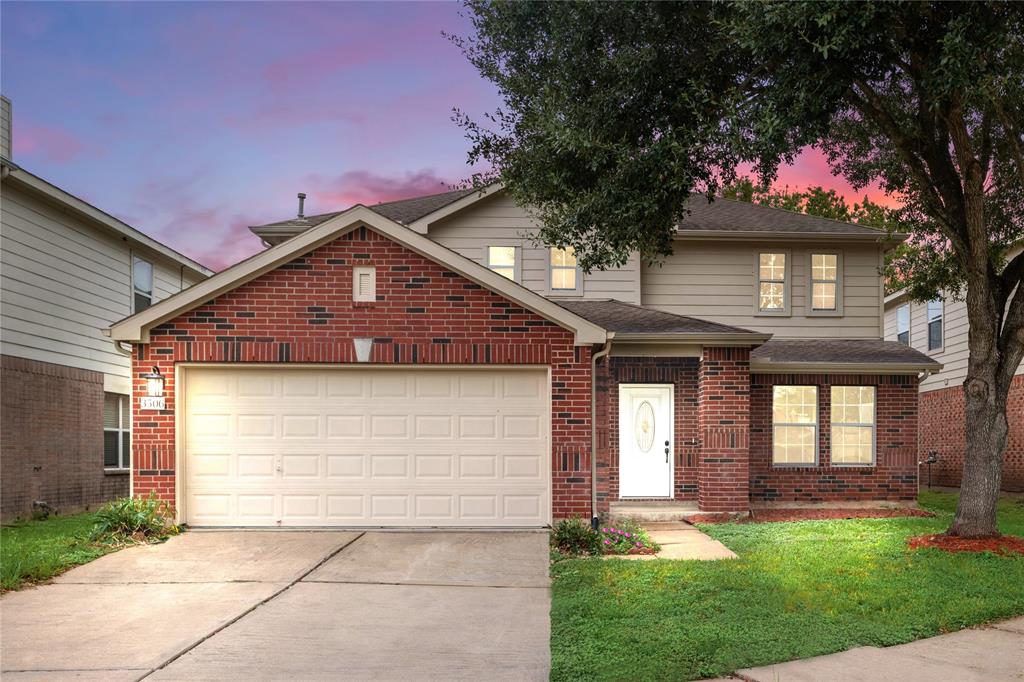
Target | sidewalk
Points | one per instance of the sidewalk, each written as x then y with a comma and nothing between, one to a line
990,654
680,540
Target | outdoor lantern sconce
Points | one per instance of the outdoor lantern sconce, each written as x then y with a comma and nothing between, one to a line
154,383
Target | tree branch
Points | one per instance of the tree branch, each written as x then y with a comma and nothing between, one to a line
1010,130
1011,278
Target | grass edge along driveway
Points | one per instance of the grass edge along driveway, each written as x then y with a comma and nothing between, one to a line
35,551
797,590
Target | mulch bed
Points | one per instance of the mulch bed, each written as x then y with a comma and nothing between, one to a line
1006,545
783,515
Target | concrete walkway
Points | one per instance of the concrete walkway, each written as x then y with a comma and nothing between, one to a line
680,540
987,654
291,605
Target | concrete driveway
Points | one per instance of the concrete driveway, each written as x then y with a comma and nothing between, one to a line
291,605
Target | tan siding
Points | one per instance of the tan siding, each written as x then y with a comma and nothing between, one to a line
62,282
498,221
715,281
5,127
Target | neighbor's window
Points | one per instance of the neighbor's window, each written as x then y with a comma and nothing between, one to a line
853,424
794,424
903,324
564,275
824,281
935,324
117,431
142,284
502,259
771,280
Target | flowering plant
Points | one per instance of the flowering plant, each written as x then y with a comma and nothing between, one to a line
626,537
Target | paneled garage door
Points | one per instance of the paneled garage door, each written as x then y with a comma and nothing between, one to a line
366,447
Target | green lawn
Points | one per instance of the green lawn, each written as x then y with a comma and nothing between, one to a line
798,590
31,551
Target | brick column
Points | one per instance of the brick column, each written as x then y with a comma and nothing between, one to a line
723,466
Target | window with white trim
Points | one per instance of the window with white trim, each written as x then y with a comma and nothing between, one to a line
502,259
564,271
824,281
853,424
142,284
117,431
903,324
771,282
794,425
935,324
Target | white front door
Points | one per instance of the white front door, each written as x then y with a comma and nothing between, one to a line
645,440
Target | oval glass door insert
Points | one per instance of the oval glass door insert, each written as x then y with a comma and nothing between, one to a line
643,424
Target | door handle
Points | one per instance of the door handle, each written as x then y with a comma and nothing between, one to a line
666,452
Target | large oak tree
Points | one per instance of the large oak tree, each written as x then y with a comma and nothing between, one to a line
615,113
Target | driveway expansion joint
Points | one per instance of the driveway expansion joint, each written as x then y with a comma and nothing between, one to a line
330,555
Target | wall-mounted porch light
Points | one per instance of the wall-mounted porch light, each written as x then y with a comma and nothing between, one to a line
154,383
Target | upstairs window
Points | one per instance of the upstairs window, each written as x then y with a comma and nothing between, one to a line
935,324
853,425
502,259
117,433
564,272
771,282
903,324
142,284
824,281
794,425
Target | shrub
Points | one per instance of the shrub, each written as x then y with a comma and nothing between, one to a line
626,537
134,518
575,537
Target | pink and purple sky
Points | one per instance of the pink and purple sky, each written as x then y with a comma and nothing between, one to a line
191,121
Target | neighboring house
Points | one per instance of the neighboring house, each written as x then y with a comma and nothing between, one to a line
425,363
939,329
68,271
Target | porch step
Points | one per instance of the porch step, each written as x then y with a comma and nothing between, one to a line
653,510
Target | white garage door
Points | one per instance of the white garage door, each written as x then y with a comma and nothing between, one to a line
366,447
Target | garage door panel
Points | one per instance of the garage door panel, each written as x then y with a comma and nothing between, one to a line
366,447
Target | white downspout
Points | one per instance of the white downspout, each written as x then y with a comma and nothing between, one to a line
594,521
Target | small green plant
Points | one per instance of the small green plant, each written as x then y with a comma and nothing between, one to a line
575,537
134,519
627,537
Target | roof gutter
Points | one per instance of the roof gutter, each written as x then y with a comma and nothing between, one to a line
737,338
747,235
594,519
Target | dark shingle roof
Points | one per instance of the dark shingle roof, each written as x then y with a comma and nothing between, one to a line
402,211
840,352
726,215
625,318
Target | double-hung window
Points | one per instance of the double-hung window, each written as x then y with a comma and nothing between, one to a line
903,324
564,272
935,324
502,259
117,431
853,425
794,425
771,282
142,284
824,281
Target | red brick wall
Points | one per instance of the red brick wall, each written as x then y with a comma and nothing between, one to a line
682,373
51,449
424,314
724,423
893,478
942,430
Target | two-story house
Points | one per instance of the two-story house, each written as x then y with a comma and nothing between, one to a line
426,363
939,329
67,271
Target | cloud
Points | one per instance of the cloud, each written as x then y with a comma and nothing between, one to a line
51,145
367,187
272,118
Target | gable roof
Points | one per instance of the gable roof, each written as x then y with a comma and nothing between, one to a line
630,321
136,327
870,356
104,221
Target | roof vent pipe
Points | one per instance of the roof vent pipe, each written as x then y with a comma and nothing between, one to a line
302,201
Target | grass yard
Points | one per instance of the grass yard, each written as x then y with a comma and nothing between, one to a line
33,551
798,590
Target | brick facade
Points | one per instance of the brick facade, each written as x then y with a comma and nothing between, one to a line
52,442
894,476
942,431
303,312
724,422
